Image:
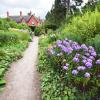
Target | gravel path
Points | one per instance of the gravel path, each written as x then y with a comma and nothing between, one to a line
23,78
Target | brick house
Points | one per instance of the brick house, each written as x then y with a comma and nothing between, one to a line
29,19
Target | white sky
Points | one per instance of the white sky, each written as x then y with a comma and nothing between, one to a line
39,7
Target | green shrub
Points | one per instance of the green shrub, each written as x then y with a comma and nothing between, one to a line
7,37
4,25
87,25
95,42
13,24
8,54
13,37
23,26
37,31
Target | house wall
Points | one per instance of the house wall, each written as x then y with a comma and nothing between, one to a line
33,20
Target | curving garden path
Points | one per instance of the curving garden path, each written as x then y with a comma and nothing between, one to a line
23,78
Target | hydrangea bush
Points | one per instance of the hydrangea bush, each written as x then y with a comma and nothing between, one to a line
78,64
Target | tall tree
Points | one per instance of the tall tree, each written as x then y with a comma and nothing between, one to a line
57,13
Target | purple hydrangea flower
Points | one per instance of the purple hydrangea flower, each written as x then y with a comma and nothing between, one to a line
91,49
75,59
76,46
74,72
87,54
84,57
67,64
98,62
63,48
87,75
93,54
59,45
69,50
77,55
65,67
84,47
84,61
88,64
81,68
91,57
89,60
65,43
59,42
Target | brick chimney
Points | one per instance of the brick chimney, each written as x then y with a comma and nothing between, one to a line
30,13
7,14
21,14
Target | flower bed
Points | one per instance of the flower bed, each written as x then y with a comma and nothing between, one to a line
78,66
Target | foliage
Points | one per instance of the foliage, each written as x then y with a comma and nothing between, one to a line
87,26
9,53
5,24
39,30
92,5
55,83
13,37
7,37
95,42
12,44
77,65
56,15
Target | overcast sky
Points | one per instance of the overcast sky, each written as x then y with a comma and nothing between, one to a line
39,7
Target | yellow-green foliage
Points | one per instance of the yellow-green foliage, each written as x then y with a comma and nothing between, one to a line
87,25
22,34
13,37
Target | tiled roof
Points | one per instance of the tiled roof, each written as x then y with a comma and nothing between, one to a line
18,18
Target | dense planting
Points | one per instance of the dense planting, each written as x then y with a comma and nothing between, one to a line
12,44
86,26
69,70
70,67
80,63
5,24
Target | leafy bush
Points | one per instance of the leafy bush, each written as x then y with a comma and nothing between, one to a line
7,37
77,66
37,31
8,54
95,42
87,26
13,37
4,25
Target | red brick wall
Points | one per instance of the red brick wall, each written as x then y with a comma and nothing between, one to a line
33,20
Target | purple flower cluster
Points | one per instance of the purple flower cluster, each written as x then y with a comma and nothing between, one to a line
87,75
74,72
98,62
66,66
76,59
81,68
83,56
